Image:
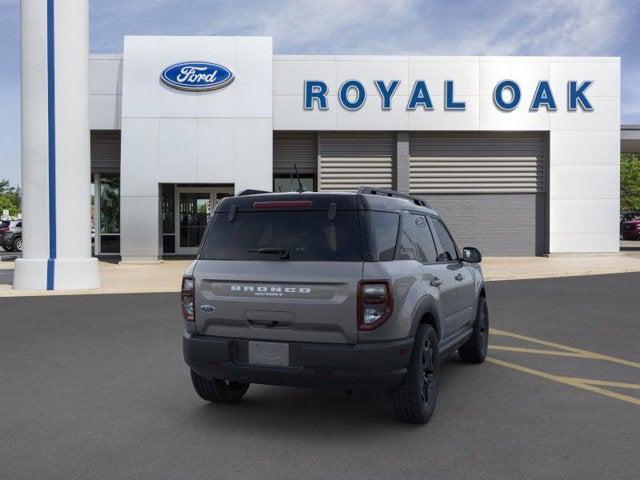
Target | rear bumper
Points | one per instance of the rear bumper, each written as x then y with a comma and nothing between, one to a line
365,367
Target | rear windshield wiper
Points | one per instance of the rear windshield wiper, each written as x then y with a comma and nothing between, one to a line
283,252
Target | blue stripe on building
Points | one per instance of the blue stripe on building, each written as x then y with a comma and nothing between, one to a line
51,87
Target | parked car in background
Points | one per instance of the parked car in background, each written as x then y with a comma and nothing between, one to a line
626,216
11,236
630,225
4,226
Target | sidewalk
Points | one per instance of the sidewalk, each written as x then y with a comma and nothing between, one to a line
519,268
166,276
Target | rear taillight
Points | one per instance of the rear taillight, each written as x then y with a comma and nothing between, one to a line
375,303
186,299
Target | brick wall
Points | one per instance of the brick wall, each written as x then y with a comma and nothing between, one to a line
496,224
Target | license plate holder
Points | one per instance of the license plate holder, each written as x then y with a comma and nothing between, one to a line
269,353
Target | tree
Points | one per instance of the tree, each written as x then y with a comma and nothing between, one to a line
10,198
630,182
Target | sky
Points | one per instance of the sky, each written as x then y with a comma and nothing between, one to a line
427,27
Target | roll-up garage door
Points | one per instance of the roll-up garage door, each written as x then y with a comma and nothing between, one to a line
299,148
351,159
489,187
105,151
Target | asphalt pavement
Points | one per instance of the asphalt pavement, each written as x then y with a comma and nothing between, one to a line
94,387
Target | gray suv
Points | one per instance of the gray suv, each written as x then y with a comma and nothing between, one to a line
361,291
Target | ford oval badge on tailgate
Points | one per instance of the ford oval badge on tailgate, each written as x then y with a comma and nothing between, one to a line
197,76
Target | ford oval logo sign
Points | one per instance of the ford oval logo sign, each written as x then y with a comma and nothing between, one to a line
197,76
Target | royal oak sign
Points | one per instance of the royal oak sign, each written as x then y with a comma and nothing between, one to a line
506,95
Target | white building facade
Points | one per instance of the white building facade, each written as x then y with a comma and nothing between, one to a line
519,154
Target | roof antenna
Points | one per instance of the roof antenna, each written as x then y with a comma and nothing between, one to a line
301,188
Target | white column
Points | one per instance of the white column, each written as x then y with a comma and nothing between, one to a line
55,148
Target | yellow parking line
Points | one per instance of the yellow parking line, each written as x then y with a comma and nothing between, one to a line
565,380
536,351
584,353
605,383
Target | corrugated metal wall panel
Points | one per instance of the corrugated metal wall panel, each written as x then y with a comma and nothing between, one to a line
474,162
105,151
295,147
351,159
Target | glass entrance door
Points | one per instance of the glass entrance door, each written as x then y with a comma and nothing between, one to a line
194,207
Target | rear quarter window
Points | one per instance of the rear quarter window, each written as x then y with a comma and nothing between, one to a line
381,235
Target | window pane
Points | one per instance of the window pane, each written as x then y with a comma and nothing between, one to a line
382,234
168,209
449,251
406,243
305,235
289,183
109,204
424,239
194,211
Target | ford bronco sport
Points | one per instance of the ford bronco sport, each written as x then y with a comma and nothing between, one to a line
361,291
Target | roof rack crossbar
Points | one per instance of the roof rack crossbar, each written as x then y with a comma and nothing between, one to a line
385,192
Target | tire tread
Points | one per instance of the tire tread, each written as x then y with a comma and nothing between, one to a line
471,351
405,402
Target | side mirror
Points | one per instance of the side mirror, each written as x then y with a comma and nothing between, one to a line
471,255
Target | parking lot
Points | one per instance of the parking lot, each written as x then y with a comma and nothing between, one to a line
95,387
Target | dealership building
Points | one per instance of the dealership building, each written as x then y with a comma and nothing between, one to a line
519,154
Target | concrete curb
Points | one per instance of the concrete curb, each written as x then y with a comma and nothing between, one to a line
581,273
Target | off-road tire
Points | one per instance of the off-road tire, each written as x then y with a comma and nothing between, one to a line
415,399
475,349
218,391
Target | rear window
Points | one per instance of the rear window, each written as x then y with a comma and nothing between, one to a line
305,235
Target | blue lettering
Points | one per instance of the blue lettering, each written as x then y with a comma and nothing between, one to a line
315,91
420,96
343,95
499,100
543,97
386,92
576,96
449,104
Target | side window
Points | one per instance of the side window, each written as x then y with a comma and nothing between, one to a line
383,234
448,250
406,244
424,240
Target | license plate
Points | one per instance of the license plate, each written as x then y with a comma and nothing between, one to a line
269,353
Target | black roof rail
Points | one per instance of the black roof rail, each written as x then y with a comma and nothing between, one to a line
385,192
250,191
